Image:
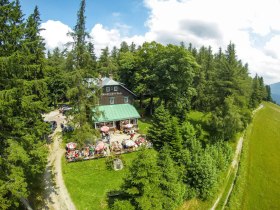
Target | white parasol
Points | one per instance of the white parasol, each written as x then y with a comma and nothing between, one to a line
128,125
129,143
71,145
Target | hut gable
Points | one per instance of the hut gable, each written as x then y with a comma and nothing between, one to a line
114,92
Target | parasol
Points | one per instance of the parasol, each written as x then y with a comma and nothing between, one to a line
128,125
104,128
100,146
71,145
129,143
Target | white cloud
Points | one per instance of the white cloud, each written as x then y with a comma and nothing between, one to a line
103,37
252,25
55,34
217,22
272,47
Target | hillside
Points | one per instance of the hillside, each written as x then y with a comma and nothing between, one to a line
258,185
275,92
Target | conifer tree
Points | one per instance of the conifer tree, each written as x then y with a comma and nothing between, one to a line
171,183
160,131
107,65
268,90
202,175
175,141
57,79
256,92
83,92
142,183
22,100
93,58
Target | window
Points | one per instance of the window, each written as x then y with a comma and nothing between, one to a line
125,99
115,88
112,100
107,89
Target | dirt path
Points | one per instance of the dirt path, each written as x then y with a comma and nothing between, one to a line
56,194
234,167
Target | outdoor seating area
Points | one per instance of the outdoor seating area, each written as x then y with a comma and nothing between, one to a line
119,144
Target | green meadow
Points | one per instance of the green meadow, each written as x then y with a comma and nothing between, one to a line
258,183
88,182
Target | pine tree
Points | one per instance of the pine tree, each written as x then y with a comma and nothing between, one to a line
204,99
124,47
256,92
93,58
23,98
175,142
132,47
268,90
160,131
171,183
83,93
142,183
202,175
57,79
107,65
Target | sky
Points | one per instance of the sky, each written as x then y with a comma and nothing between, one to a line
252,25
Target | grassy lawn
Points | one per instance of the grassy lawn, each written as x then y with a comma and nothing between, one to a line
258,184
89,181
144,124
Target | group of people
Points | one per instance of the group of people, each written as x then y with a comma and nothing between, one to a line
128,145
75,154
102,149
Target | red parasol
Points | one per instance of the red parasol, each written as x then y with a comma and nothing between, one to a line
104,128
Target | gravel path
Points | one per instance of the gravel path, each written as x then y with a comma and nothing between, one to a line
56,194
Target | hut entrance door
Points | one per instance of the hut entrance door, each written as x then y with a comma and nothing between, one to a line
118,125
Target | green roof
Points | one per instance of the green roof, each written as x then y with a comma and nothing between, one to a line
116,112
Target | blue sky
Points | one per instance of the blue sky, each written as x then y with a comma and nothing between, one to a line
110,13
252,25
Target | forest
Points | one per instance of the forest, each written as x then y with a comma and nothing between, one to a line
170,82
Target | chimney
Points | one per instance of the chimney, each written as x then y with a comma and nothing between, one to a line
99,79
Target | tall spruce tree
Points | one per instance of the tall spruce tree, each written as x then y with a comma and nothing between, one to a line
83,92
57,79
175,142
23,99
161,130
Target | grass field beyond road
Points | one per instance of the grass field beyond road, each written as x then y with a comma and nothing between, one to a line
258,186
